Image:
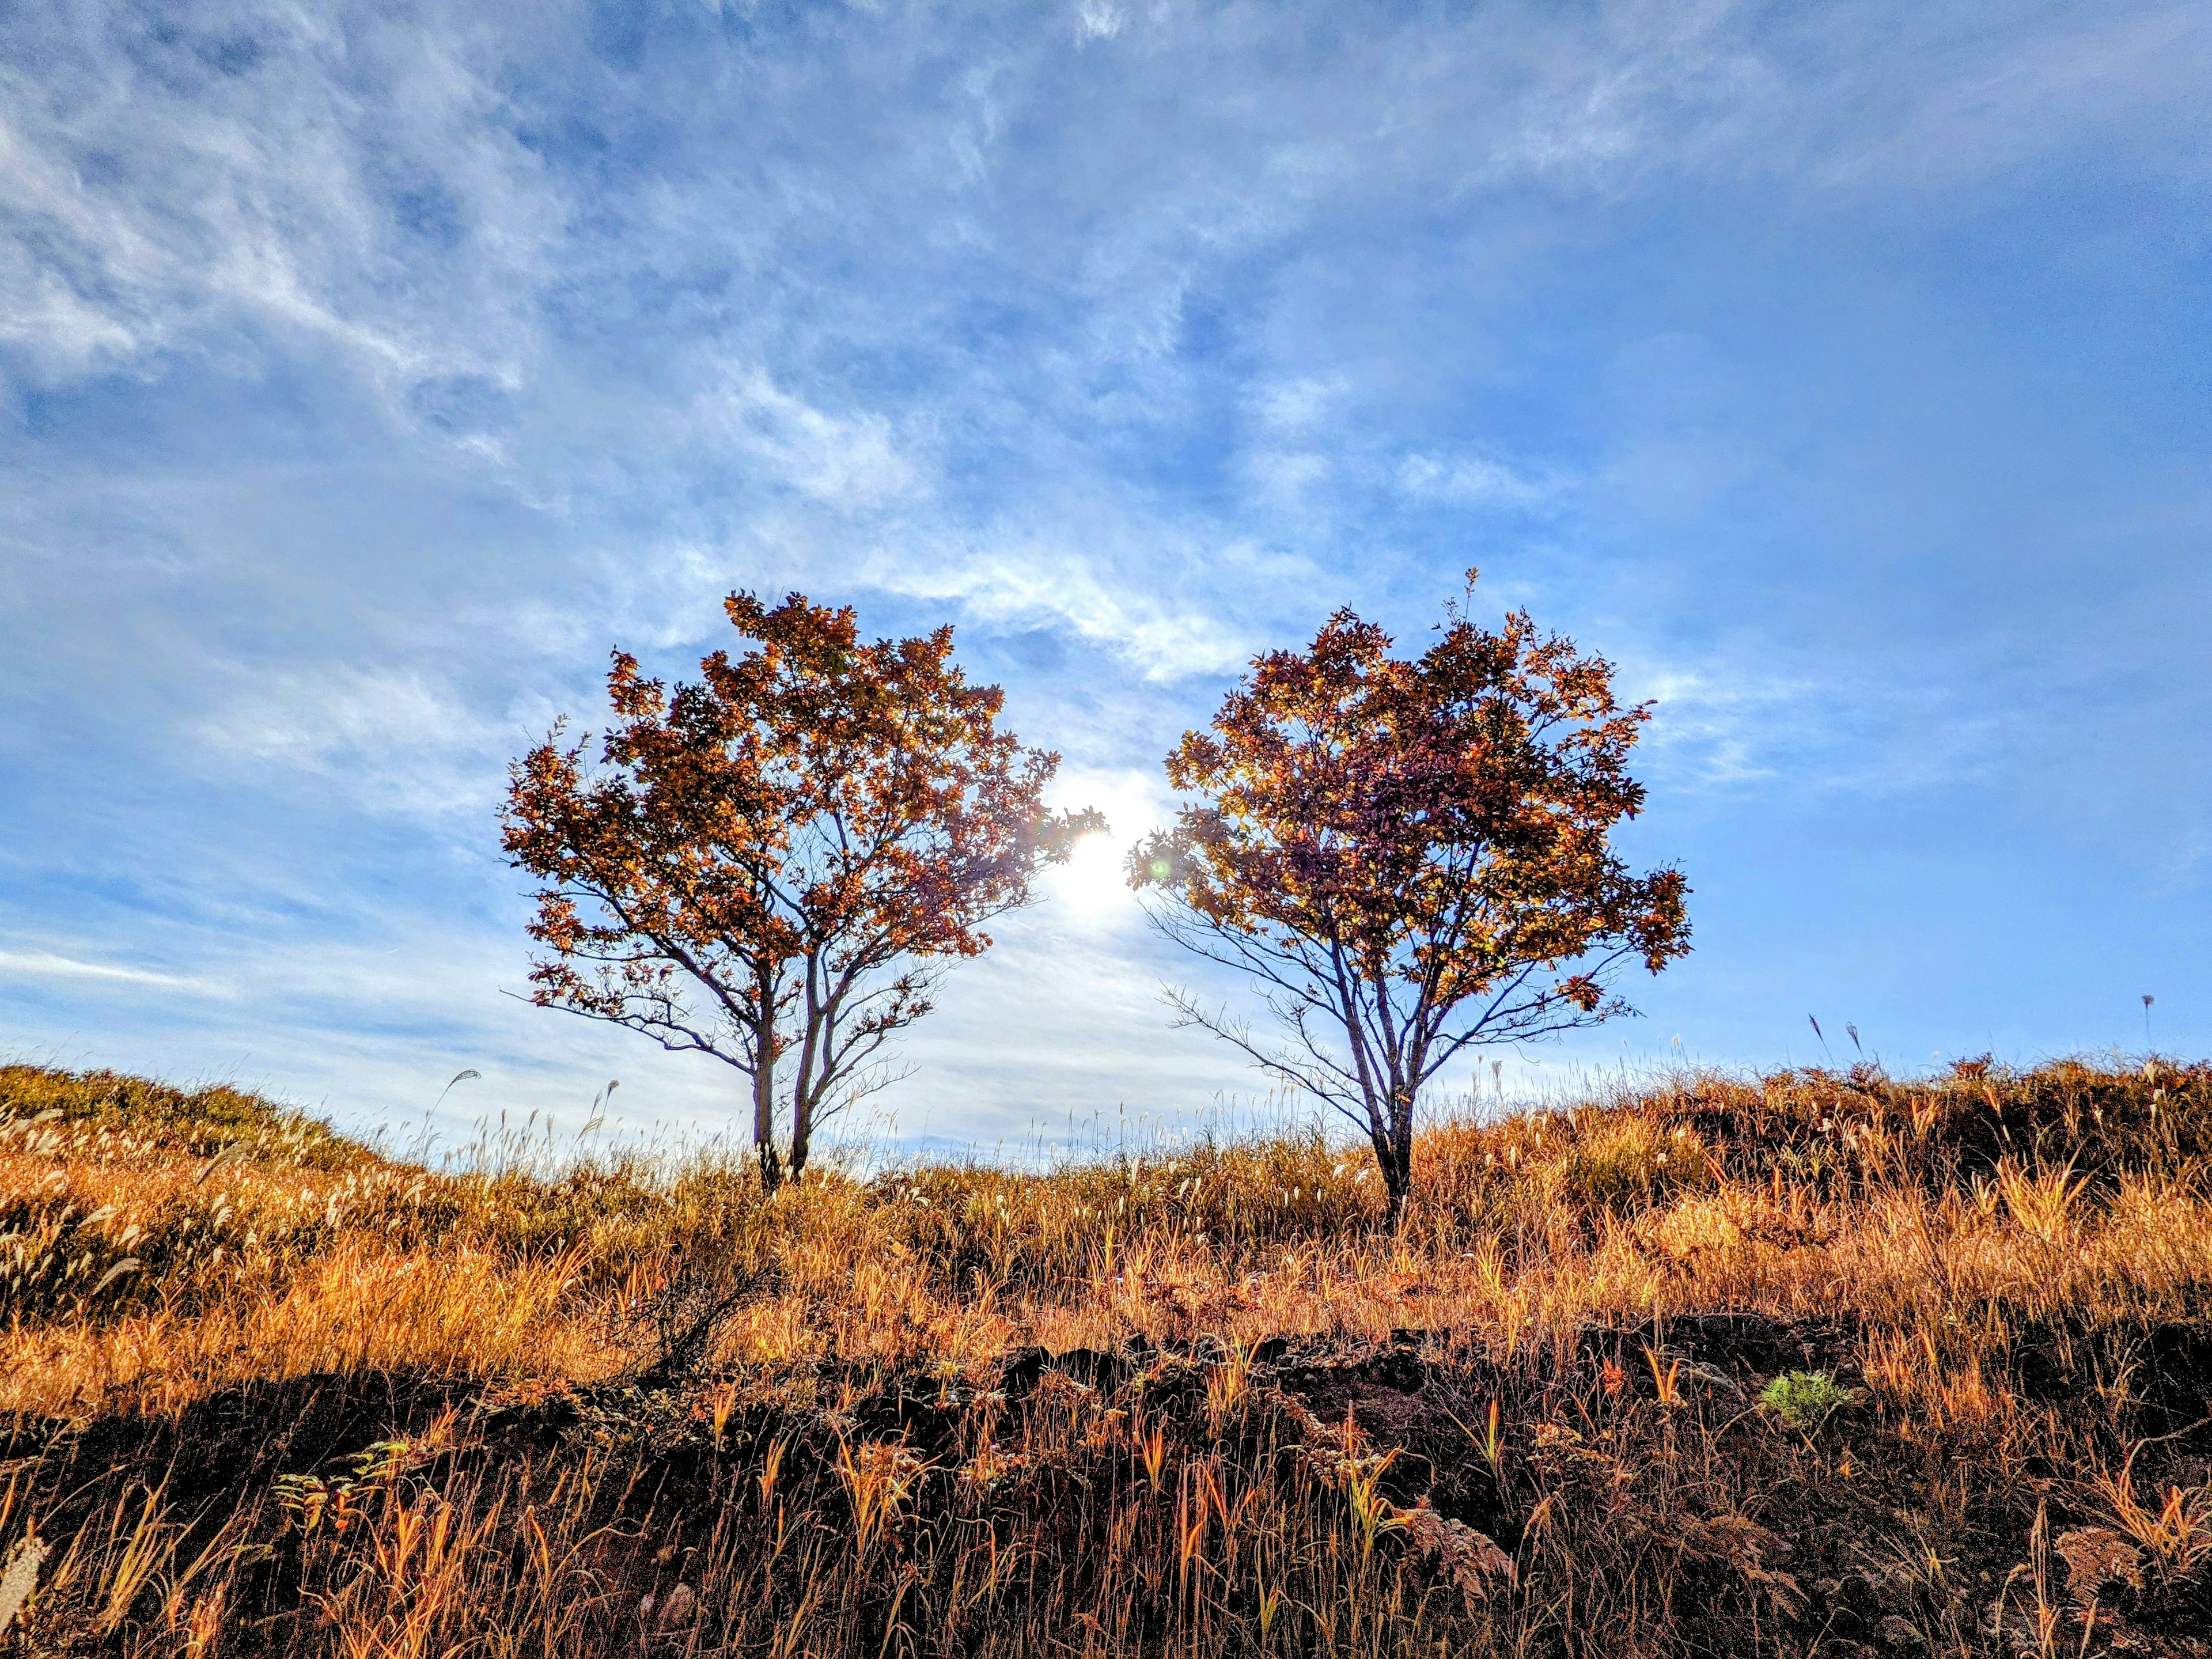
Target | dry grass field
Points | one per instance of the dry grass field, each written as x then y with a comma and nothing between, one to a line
1814,1364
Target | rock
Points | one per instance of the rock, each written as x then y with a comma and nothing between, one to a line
1092,1368
1023,1366
677,1609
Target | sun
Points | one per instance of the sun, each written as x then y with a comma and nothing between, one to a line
1092,883
1092,888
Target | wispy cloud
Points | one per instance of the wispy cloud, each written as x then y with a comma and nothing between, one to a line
1994,103
1137,608
849,462
365,374
43,965
1476,481
248,186
392,740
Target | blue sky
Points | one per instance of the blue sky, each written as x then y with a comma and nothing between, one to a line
366,373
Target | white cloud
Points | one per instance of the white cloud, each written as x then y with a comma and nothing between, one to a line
850,463
1034,583
342,179
1826,729
1098,20
54,964
1476,481
1298,404
1986,103
1733,729
394,740
1286,480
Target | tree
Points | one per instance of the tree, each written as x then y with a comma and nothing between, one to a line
1409,857
777,863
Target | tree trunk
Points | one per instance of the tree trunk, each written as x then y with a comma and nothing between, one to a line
1394,1162
1398,1183
1395,1153
802,1135
771,1167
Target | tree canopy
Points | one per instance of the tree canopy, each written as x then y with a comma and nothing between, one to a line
776,863
1410,856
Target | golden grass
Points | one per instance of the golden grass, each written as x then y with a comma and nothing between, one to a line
271,1391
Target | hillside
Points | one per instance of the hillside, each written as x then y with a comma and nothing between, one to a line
1812,1364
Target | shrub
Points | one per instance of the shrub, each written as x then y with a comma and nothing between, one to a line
1806,1399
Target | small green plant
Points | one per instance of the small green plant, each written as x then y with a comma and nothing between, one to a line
1806,1399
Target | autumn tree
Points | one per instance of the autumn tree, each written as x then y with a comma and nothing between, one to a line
1410,857
774,865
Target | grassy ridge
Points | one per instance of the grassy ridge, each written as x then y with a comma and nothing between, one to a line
1817,1363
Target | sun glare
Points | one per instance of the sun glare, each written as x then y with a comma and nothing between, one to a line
1092,883
1092,887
